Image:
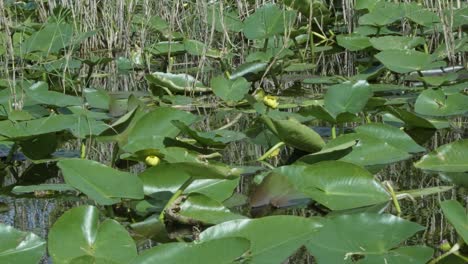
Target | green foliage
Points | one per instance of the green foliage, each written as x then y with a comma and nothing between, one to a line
252,83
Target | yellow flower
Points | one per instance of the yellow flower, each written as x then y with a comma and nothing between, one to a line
271,101
152,160
274,153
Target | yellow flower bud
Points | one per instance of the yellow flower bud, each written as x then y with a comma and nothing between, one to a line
152,160
445,246
274,153
271,101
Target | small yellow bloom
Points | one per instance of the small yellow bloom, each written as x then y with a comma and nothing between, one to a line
274,153
271,101
152,160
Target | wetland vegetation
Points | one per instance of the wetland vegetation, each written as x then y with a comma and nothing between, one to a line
236,131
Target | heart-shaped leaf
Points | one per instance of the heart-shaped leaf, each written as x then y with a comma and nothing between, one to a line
219,251
457,216
20,247
337,185
372,236
103,184
230,90
267,21
271,242
93,241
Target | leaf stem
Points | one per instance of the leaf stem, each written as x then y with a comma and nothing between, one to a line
174,197
453,250
394,198
271,150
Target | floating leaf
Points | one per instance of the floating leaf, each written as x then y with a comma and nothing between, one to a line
447,158
218,190
40,93
201,208
457,216
219,251
225,20
20,247
42,188
175,83
369,151
353,42
217,138
271,242
382,14
103,184
267,21
437,103
295,134
372,236
93,241
49,39
391,135
229,89
420,15
396,42
152,128
276,191
347,97
404,61
335,184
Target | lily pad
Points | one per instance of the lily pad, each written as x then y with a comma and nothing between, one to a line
230,90
347,97
103,184
175,83
93,241
404,61
219,251
457,216
446,158
267,21
396,42
20,247
271,242
201,208
374,237
353,42
335,184
295,134
437,103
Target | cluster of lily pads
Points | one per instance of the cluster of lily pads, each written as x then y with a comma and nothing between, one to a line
184,199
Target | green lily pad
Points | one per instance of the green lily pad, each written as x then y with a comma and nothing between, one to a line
219,251
391,135
224,21
295,134
20,247
369,151
446,158
230,90
347,97
217,138
268,21
353,42
50,39
40,93
382,13
271,242
404,61
93,241
437,103
335,184
396,42
175,83
457,216
372,236
103,184
200,208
